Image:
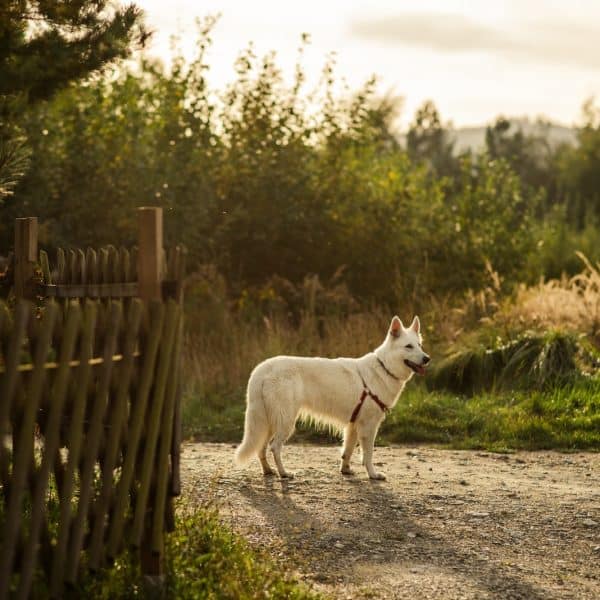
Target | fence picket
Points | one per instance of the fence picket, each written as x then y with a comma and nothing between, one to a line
75,443
92,266
114,269
61,266
125,265
93,439
80,266
153,424
119,414
72,266
103,265
51,439
23,453
136,424
162,474
45,266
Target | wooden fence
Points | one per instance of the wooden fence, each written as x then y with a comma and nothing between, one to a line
89,408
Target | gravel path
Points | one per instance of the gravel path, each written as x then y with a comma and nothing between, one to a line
445,524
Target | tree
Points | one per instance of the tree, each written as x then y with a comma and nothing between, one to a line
531,156
579,170
45,45
430,142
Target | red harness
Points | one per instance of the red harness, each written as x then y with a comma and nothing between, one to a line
367,392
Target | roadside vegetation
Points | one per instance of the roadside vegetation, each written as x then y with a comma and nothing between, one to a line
510,371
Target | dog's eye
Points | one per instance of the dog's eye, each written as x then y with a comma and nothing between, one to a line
409,346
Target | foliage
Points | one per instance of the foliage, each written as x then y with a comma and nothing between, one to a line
531,157
579,170
431,142
45,45
14,161
269,181
203,560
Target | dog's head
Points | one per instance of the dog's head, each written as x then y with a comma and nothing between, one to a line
402,348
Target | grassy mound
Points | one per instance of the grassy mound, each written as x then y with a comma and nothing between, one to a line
529,362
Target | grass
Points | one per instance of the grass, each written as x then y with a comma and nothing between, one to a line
565,417
204,559
529,361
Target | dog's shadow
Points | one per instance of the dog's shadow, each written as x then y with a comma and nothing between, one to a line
334,534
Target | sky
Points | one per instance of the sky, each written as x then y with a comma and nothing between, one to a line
474,59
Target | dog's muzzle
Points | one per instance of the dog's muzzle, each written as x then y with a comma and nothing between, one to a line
418,369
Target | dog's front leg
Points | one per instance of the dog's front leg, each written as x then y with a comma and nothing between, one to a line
366,436
350,439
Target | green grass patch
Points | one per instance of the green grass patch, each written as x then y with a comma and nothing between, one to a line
567,417
564,417
204,559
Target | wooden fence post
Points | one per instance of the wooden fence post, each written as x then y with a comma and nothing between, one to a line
150,248
26,256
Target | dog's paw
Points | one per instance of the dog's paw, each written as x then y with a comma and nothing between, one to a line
268,472
346,471
286,475
378,476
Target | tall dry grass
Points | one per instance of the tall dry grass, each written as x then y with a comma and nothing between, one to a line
569,304
221,363
226,341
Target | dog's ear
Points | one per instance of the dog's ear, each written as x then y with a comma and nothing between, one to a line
396,327
416,325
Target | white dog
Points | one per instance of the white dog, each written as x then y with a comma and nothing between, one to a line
352,394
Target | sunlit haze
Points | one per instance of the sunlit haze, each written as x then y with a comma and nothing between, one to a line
474,59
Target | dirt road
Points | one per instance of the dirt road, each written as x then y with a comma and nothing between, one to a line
445,524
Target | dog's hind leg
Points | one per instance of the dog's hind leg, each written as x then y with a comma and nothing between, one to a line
276,445
350,439
366,438
262,455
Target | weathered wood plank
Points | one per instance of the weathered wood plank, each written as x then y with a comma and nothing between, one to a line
150,260
23,453
45,266
11,358
75,443
136,424
93,440
103,265
166,432
72,276
175,483
91,259
114,267
26,255
80,266
61,266
118,417
125,260
51,439
154,420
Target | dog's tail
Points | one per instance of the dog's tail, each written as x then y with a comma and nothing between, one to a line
256,426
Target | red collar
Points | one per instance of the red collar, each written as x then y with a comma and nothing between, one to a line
367,392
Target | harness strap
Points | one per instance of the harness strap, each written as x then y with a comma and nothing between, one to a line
367,392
